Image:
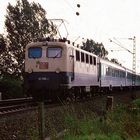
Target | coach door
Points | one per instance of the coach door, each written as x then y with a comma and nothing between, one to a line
71,62
99,72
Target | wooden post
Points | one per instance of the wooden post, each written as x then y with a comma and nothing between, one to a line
109,103
0,96
41,120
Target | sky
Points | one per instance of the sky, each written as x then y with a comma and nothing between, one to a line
99,20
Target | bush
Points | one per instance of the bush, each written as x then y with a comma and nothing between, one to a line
11,87
120,124
136,103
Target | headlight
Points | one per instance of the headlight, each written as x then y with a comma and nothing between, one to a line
30,70
57,70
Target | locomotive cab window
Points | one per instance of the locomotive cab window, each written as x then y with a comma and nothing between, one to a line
55,52
34,52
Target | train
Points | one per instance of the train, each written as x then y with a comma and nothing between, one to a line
57,68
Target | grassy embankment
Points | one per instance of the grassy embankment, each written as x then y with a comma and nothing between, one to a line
123,123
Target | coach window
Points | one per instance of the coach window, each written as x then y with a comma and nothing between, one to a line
54,52
107,71
121,74
110,71
34,52
114,73
87,58
129,75
77,55
82,57
94,58
91,62
117,75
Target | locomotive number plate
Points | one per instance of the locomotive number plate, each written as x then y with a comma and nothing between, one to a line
43,65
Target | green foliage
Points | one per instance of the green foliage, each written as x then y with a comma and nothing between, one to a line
2,53
24,22
6,59
120,124
2,43
96,48
115,61
11,87
136,103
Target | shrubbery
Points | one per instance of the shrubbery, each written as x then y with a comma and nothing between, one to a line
121,124
11,87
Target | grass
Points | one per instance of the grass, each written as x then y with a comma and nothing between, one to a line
121,124
136,103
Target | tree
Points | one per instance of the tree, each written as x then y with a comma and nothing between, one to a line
2,43
96,48
24,23
115,61
4,55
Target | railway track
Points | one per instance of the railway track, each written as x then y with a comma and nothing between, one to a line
16,105
12,106
23,104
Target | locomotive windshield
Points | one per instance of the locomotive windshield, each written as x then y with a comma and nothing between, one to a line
35,52
54,52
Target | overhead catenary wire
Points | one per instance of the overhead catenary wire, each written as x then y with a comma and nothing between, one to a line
133,53
119,44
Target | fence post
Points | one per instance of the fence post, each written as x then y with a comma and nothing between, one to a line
41,120
0,96
109,103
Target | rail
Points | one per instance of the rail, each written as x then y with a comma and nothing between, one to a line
15,105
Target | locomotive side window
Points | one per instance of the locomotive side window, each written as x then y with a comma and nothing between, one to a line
77,55
94,58
91,62
34,52
87,58
82,57
54,52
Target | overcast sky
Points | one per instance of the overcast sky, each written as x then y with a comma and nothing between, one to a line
99,20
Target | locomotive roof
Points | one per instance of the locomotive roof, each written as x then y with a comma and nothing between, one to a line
57,43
